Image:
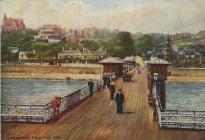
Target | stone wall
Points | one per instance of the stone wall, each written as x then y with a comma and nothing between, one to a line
49,69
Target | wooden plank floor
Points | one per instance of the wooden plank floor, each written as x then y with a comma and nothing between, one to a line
96,119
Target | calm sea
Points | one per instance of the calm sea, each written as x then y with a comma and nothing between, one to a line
33,91
189,96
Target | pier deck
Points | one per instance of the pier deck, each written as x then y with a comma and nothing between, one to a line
96,119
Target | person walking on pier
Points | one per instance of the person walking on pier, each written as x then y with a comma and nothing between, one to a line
104,81
112,90
90,84
108,81
119,99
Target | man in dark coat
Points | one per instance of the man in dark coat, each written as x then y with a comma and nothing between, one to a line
104,81
119,99
108,81
112,90
90,84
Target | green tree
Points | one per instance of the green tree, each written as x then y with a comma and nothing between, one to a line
90,44
144,43
122,45
22,40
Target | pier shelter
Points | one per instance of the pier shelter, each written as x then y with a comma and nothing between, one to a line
159,66
129,63
112,66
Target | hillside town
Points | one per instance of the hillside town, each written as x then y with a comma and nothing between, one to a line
91,45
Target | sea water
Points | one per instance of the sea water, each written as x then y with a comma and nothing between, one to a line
35,91
188,96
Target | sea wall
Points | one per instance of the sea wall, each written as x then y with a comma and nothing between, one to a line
186,74
187,71
52,72
51,69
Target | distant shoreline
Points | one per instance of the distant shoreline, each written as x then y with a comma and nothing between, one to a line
50,72
86,73
187,75
186,79
51,76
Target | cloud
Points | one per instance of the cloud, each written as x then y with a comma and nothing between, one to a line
134,16
36,13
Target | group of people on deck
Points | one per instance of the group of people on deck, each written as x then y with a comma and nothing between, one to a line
117,96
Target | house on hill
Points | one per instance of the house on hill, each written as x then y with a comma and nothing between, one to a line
187,57
12,24
51,33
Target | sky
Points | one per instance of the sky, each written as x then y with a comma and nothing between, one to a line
147,16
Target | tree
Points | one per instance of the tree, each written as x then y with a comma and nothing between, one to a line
22,40
144,43
123,45
90,44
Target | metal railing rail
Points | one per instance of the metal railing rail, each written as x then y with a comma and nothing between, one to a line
178,119
43,113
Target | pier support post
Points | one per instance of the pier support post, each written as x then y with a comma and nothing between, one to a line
162,93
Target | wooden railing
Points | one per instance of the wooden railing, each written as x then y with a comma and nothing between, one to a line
43,113
178,119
